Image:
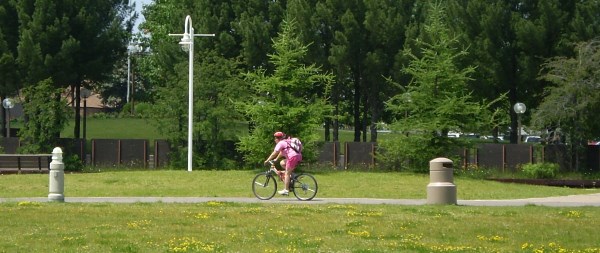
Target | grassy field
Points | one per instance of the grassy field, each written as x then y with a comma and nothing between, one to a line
112,128
135,128
339,184
268,227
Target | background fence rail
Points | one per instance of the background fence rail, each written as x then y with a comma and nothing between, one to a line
139,153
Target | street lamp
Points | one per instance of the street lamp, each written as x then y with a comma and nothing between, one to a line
132,48
84,93
8,104
519,108
187,44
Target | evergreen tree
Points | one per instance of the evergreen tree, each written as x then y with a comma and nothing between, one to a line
571,105
9,74
47,113
219,86
435,102
584,24
256,23
509,42
367,36
282,100
71,42
347,53
385,23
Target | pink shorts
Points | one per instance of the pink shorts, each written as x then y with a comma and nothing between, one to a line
292,162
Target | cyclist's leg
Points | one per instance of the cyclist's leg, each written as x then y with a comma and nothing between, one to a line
280,169
282,164
290,166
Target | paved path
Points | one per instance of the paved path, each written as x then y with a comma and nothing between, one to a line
573,200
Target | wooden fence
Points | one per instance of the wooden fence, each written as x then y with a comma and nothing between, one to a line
139,153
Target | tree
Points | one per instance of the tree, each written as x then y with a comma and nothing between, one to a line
436,101
8,39
9,74
47,114
217,119
217,82
366,38
509,41
256,23
385,23
282,101
584,24
573,103
316,33
347,53
72,42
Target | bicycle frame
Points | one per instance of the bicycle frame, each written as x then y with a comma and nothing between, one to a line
263,189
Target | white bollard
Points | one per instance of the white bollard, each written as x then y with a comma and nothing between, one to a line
57,177
151,162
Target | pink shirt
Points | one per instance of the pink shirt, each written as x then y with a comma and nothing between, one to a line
284,146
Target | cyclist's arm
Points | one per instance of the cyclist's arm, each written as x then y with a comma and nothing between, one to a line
275,154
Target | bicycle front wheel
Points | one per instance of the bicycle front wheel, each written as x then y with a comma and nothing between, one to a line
264,186
305,187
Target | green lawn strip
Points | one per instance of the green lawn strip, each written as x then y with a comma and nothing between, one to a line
116,128
264,227
237,183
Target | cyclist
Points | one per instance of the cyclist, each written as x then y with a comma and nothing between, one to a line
290,161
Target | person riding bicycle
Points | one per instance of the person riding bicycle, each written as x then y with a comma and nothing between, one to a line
290,161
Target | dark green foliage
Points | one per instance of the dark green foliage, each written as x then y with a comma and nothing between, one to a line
72,162
541,170
509,41
363,43
71,42
218,87
435,102
571,106
46,114
283,101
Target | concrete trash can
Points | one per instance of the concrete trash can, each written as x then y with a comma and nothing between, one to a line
441,188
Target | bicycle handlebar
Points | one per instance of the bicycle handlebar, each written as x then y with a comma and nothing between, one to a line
272,165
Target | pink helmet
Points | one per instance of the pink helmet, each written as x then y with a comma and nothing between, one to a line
279,134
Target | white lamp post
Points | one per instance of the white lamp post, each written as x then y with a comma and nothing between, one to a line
187,44
8,104
519,108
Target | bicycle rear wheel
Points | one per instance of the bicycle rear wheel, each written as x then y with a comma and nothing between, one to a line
264,186
305,187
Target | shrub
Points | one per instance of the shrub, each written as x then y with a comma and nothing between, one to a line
143,110
72,163
541,170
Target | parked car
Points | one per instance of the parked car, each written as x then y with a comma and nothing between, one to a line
452,134
533,139
491,137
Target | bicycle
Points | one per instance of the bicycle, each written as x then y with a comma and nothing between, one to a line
303,185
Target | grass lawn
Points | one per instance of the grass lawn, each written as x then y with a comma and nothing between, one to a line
338,184
269,227
121,128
